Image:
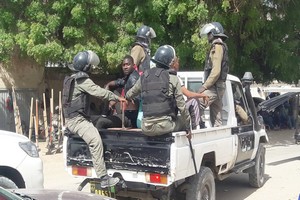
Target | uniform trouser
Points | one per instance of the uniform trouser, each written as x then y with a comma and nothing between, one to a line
154,127
215,94
86,130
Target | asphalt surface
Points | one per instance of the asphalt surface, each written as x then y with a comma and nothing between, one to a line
282,173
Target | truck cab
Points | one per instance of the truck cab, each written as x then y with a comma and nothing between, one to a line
172,167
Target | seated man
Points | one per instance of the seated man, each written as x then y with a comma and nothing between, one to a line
161,96
192,102
125,83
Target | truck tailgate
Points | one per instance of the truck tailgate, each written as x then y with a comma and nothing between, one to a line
125,149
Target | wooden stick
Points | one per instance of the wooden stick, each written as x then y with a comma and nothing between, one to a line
123,114
16,113
61,111
30,119
60,132
45,116
50,141
51,112
36,119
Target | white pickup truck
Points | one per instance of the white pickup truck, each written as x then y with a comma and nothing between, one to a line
163,167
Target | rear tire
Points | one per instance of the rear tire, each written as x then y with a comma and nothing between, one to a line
7,183
202,186
257,172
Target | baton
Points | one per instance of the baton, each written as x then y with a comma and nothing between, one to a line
193,156
123,114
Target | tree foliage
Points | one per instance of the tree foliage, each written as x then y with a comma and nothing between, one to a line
263,34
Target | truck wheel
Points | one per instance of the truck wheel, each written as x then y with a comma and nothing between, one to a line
7,183
202,186
257,172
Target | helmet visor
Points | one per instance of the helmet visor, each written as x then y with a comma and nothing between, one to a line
152,33
71,67
93,58
205,30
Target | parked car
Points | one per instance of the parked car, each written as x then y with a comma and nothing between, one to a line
45,194
20,164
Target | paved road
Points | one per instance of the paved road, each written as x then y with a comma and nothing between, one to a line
282,173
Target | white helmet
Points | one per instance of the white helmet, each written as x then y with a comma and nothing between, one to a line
215,28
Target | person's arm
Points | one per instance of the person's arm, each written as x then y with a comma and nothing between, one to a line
134,91
216,55
190,94
242,113
138,54
112,85
88,86
180,103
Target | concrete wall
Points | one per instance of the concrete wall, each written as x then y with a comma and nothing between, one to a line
22,72
30,80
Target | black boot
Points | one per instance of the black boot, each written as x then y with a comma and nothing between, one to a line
202,125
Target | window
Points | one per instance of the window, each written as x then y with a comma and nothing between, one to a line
241,108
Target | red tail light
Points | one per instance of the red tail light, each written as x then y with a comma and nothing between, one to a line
156,178
81,171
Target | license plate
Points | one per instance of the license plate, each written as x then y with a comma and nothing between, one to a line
108,191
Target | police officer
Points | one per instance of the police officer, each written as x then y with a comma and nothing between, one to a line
161,96
215,71
76,92
140,51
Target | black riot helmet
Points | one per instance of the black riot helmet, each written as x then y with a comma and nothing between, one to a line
164,56
84,60
145,34
215,28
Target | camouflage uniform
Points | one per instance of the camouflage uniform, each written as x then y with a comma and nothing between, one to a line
84,128
216,70
153,126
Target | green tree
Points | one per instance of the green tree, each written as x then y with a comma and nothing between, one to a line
263,35
55,31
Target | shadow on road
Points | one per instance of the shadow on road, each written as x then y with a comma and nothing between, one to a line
236,187
284,161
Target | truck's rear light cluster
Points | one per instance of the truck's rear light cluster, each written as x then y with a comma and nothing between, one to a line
81,171
156,178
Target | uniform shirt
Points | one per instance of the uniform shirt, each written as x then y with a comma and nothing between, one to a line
138,54
216,57
180,81
88,86
175,86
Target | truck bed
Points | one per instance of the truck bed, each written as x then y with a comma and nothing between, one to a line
126,149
